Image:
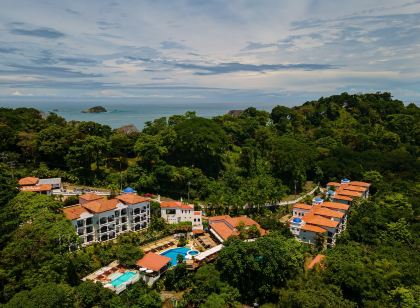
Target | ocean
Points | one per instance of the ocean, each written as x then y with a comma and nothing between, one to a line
137,113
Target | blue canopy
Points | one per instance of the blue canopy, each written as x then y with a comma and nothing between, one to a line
128,190
297,220
318,199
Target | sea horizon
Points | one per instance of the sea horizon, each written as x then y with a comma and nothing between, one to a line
133,112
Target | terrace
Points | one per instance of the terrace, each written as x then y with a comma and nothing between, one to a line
114,277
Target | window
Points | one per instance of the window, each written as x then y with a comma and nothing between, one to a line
89,229
103,220
80,223
104,237
123,212
123,219
117,213
80,231
124,227
89,221
104,229
89,238
136,211
170,212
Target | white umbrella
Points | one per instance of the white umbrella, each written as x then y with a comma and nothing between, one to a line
143,269
149,271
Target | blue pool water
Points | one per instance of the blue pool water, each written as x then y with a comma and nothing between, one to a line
174,252
193,252
122,279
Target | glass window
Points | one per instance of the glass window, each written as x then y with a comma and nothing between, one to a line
89,221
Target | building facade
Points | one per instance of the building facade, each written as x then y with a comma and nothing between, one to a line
325,220
175,212
97,219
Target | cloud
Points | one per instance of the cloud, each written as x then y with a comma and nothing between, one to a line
47,33
172,45
256,45
77,60
8,50
225,68
52,71
19,93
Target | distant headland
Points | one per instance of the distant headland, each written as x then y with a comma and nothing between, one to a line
96,109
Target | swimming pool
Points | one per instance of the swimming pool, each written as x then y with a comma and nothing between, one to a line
174,252
127,276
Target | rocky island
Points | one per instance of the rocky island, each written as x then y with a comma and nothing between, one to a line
96,109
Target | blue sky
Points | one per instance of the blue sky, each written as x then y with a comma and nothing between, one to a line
204,51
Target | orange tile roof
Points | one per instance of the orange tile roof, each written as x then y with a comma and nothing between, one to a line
102,205
28,181
153,261
90,197
340,197
220,217
132,198
223,230
357,183
311,228
315,261
349,193
330,213
333,184
197,213
176,204
302,206
335,205
320,221
37,188
74,212
355,188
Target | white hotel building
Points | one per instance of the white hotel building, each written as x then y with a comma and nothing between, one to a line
97,219
175,212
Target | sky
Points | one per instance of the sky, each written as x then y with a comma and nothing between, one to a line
208,51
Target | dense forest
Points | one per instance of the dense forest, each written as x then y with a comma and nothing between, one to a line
233,164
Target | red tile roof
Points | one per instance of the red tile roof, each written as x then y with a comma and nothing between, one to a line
176,204
311,228
132,198
333,184
327,212
28,181
221,217
350,193
99,206
341,197
303,206
153,261
317,260
355,188
90,197
232,222
320,221
74,212
335,205
223,230
362,184
197,213
37,188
